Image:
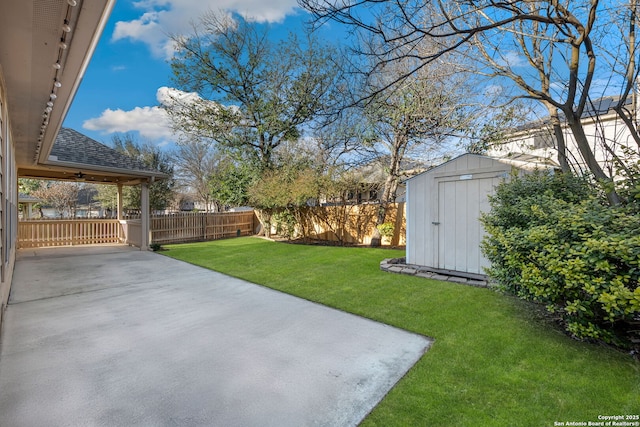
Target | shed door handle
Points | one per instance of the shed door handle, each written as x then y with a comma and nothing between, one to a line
435,223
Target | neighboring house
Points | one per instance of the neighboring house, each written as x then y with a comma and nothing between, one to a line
601,123
187,205
45,47
204,207
26,203
444,205
369,182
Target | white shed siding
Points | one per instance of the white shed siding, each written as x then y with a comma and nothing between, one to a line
443,213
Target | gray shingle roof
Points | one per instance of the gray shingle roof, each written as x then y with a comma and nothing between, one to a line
73,147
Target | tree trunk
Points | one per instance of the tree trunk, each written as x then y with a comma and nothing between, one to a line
376,238
589,158
390,189
264,216
559,137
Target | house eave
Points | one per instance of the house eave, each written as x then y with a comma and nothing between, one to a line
31,32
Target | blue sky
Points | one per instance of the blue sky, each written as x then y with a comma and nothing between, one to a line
120,87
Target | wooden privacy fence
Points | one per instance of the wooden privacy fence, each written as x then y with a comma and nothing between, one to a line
353,224
41,233
347,224
190,227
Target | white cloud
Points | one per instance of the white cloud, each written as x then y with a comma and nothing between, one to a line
162,18
150,122
169,96
493,90
512,59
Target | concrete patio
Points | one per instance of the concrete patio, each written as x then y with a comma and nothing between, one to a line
111,336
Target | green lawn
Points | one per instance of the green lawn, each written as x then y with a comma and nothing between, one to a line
493,363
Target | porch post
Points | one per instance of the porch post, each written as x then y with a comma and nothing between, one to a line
144,216
119,202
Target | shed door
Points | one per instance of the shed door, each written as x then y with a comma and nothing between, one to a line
460,232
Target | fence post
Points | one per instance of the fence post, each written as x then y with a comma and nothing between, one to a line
203,224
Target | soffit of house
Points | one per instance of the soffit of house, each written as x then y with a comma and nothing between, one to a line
76,157
529,162
30,35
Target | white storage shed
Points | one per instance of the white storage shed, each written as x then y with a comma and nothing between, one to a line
444,204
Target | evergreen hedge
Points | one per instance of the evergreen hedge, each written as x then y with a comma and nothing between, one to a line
552,239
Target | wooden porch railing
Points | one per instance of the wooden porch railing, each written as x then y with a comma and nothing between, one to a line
42,233
173,228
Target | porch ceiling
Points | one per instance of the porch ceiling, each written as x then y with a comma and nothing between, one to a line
82,173
32,40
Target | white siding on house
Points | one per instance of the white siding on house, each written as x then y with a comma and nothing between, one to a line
8,201
443,213
607,128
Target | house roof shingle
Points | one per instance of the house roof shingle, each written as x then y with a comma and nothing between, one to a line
77,157
73,147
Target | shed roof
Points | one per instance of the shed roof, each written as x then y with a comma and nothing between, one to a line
524,162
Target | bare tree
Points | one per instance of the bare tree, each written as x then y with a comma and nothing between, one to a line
622,59
60,195
417,115
196,161
549,49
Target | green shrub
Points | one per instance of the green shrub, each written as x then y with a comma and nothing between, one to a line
629,186
550,240
387,229
285,222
